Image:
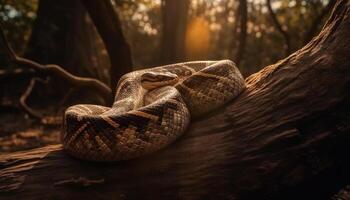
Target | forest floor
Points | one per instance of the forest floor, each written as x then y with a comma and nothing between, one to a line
20,132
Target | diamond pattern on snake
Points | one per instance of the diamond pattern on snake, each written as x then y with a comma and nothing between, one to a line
152,108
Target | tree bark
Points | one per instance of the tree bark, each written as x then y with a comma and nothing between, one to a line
109,27
289,126
174,18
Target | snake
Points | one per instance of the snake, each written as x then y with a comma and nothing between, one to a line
152,108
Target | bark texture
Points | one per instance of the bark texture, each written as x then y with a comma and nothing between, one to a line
289,126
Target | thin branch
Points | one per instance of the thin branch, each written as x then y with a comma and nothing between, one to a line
56,70
279,27
23,101
66,96
10,52
33,113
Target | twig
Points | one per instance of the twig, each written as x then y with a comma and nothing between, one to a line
279,27
10,52
79,182
23,100
66,96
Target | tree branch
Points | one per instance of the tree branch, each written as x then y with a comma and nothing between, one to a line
279,28
23,100
8,49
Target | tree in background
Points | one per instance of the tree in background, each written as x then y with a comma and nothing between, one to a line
64,34
108,25
142,21
174,23
241,30
203,30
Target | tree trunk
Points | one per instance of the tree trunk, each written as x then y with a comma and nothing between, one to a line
109,27
243,11
174,18
289,126
63,35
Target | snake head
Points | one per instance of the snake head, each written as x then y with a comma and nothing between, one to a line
153,80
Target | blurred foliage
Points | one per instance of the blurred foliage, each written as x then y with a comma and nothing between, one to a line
17,17
142,20
265,44
212,21
142,26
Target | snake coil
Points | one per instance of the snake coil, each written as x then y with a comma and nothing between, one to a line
152,108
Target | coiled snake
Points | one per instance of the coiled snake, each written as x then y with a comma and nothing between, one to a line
152,108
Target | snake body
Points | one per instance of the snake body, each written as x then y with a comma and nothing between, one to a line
148,114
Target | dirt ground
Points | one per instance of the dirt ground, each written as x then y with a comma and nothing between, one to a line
20,132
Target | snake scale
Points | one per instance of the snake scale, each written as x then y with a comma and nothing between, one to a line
152,108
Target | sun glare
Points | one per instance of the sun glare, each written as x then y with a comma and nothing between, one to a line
197,38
